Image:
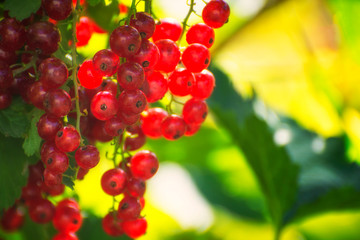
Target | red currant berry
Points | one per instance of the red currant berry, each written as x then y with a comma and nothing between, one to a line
44,36
125,41
147,56
98,132
173,127
5,100
200,33
9,57
36,94
41,210
136,140
129,208
84,31
144,23
67,218
54,190
13,218
106,85
181,82
128,119
151,122
130,75
113,181
68,203
144,164
114,126
196,57
112,225
57,162
65,236
6,77
88,76
191,129
48,127
36,173
167,28
51,179
195,111
132,102
67,139
135,187
104,105
216,13
53,73
57,103
12,34
30,192
135,228
157,87
46,148
204,84
87,157
81,173
169,55
106,62
57,9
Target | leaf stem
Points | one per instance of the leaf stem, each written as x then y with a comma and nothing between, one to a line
148,6
184,23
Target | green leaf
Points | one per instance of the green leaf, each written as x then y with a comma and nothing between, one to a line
21,9
13,172
277,175
13,120
68,182
32,141
93,2
104,14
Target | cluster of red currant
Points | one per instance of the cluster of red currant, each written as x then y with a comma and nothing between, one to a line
144,63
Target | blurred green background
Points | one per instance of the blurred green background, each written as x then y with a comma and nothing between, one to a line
278,156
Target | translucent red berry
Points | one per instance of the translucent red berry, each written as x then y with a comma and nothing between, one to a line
67,217
195,111
114,126
173,127
144,164
57,162
12,34
216,13
157,86
130,75
13,218
169,55
112,225
204,84
88,76
41,211
151,122
84,31
57,103
57,9
135,228
53,73
113,181
44,36
5,100
129,208
106,62
201,33
144,23
135,187
65,236
147,56
48,126
36,94
132,102
87,156
196,57
51,178
136,140
104,105
125,41
67,139
181,82
6,77
167,28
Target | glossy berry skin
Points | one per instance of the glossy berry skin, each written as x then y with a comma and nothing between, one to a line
144,23
48,126
81,173
144,164
89,78
57,162
41,211
84,31
135,228
112,225
196,57
87,156
151,122
57,103
9,57
130,75
5,100
57,9
12,34
200,33
67,218
136,140
46,148
68,203
113,181
195,111
147,56
114,126
13,218
173,127
65,236
169,55
135,187
67,139
104,105
128,119
167,28
157,86
44,36
129,208
216,13
106,85
191,129
51,179
181,82
106,62
132,102
6,77
53,73
54,190
125,41
36,94
204,84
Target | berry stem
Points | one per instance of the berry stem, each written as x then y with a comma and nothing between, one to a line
116,149
132,11
148,6
184,23
32,63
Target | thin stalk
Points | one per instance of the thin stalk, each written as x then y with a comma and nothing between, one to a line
148,6
184,23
